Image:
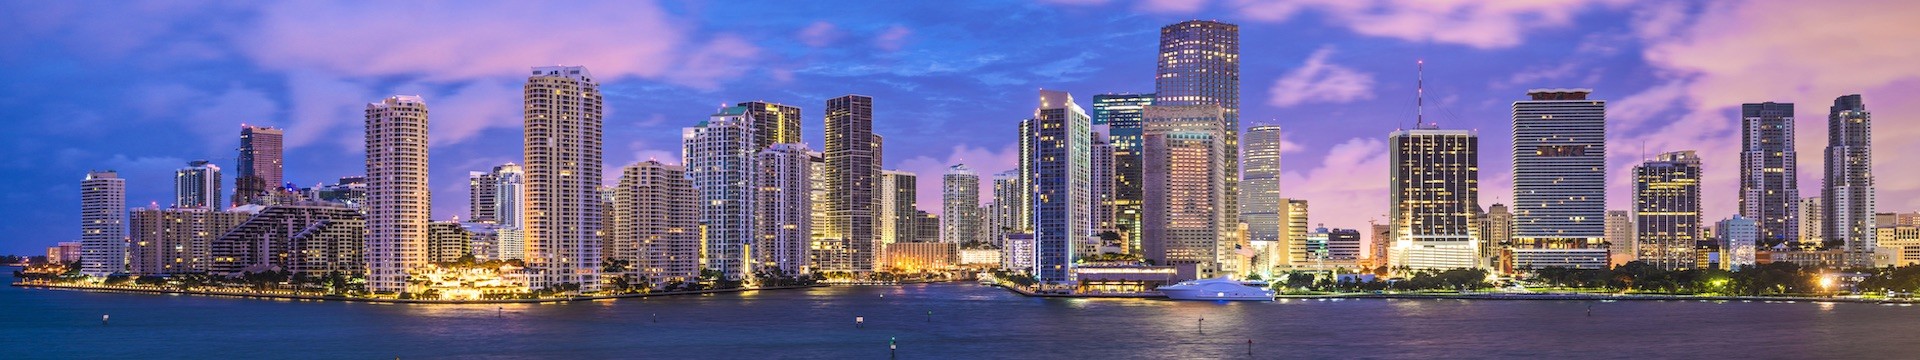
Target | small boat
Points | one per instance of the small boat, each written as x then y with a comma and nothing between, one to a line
1216,289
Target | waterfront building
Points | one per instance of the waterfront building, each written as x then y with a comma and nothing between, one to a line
311,238
899,198
1123,114
989,258
197,186
829,252
960,205
657,222
1496,234
913,257
1182,216
175,240
1769,189
991,228
483,240
448,241
1199,64
1292,247
564,145
1812,222
399,204
1101,168
721,164
63,252
1061,186
259,164
1343,245
1435,182
1019,252
1261,204
1008,200
852,159
1848,188
1620,235
1739,240
1559,181
103,229
928,228
782,209
1667,210
1897,244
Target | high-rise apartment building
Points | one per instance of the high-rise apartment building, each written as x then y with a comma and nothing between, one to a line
313,238
721,164
563,129
1435,182
1666,210
1620,235
1061,147
773,123
1769,191
1292,247
1848,187
197,186
1182,219
103,229
1559,180
1123,116
657,222
959,205
899,197
1101,165
259,164
496,196
1812,222
782,209
176,241
1496,234
852,158
448,241
399,204
1199,64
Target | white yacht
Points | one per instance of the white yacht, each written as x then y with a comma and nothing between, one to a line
1216,289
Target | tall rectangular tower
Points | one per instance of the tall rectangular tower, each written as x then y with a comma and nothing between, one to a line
1559,180
773,123
1769,190
851,159
103,228
399,205
1666,210
1199,64
899,197
1062,186
959,205
657,214
1182,216
721,164
259,163
1848,187
1122,113
563,147
1261,204
1435,178
782,209
197,186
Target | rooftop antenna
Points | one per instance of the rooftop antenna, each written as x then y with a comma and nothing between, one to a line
1420,93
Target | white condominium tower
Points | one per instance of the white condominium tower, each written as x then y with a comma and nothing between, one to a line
720,162
197,186
103,228
563,149
960,205
1060,146
657,222
1559,180
1848,188
398,203
783,209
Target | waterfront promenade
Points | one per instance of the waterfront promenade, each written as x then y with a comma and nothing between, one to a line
293,295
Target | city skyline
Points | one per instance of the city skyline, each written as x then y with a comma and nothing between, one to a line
277,89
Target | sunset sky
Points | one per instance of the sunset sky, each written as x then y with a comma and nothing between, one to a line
145,87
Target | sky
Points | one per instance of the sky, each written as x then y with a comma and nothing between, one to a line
144,87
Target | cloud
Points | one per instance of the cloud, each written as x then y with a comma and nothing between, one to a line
725,57
208,115
1715,57
1319,81
893,38
819,34
479,105
1173,6
1481,24
1349,184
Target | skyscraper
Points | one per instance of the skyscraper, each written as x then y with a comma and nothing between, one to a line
773,123
1620,235
1062,186
851,159
1496,233
1184,189
1199,64
1122,113
176,241
563,148
496,196
657,214
1738,237
959,205
1848,187
782,209
399,204
1291,250
197,186
259,163
103,230
1812,224
1101,165
1260,200
899,197
1559,180
1008,197
1435,178
1667,210
1769,191
721,164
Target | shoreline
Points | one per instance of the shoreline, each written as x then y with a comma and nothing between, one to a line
243,295
1502,297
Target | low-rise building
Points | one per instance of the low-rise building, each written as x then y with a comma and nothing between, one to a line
1123,279
311,238
909,257
980,257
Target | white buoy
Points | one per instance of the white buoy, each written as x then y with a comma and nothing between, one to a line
860,321
103,319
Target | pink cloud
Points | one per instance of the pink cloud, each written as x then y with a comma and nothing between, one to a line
819,34
1347,186
1481,24
981,160
893,38
1319,81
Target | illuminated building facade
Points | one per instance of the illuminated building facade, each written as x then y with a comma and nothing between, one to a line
197,186
1435,182
1123,114
1061,185
1667,210
959,205
783,213
1559,180
399,205
259,164
1769,190
721,165
1184,189
1848,189
852,159
563,144
657,222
